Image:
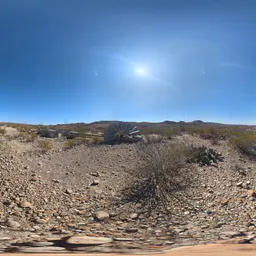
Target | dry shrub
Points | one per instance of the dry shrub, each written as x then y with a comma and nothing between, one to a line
162,177
44,145
28,136
215,141
245,143
2,131
70,143
153,138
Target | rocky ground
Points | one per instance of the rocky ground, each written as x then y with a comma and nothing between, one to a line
61,201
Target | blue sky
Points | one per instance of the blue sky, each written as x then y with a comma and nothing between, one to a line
132,60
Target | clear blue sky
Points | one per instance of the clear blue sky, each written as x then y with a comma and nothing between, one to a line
132,60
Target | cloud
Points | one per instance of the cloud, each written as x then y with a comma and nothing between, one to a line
235,65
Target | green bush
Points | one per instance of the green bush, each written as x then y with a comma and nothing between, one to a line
204,156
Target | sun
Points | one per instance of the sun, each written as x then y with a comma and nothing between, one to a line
141,71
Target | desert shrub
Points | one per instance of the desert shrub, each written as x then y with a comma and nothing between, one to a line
245,143
215,141
44,145
70,143
204,155
97,139
28,137
162,176
153,138
2,131
168,133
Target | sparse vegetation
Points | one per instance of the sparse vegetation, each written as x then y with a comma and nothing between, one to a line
2,131
28,136
162,176
245,143
44,145
204,156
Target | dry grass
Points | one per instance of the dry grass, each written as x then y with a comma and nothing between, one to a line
245,143
161,178
28,136
2,131
44,145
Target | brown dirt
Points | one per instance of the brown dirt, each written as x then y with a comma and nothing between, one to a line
58,185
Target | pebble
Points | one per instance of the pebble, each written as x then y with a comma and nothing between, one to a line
25,204
134,216
101,215
131,230
95,183
12,224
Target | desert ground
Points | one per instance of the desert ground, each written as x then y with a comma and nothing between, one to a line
68,199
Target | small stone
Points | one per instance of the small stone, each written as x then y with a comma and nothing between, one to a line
251,193
12,224
131,230
231,233
101,215
69,191
245,185
239,184
88,240
25,204
208,212
95,174
95,183
134,216
34,178
41,221
224,202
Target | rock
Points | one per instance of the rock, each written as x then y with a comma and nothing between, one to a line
245,185
34,178
88,240
45,249
131,230
95,174
25,204
224,202
134,216
40,244
95,183
231,233
208,212
12,224
5,238
251,193
101,215
123,239
231,241
239,184
69,191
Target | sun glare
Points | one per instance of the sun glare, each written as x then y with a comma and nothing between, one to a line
141,71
